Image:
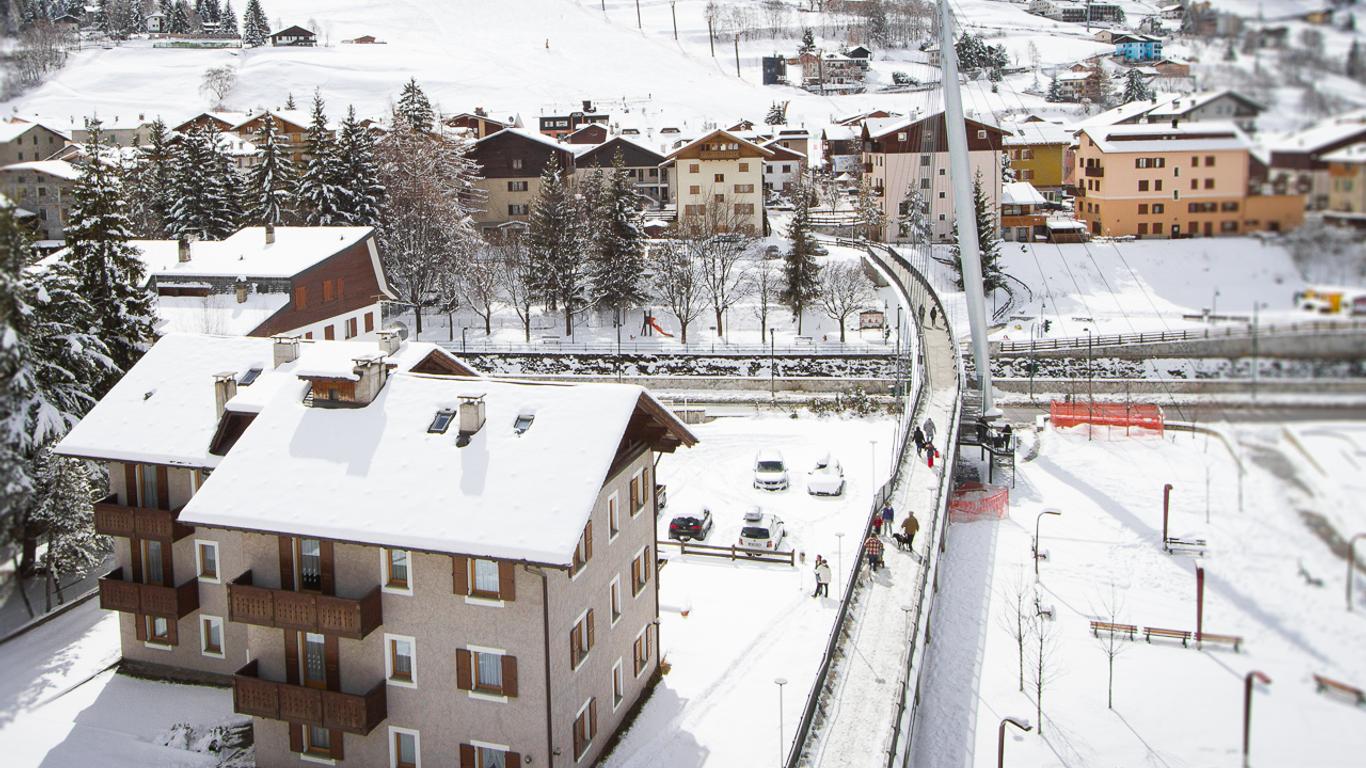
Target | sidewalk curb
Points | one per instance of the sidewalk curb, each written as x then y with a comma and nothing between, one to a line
49,616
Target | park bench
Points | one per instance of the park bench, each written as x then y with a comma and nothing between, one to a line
1173,544
1105,626
1329,684
1233,640
1175,634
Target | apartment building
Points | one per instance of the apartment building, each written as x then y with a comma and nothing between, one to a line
901,153
43,188
1347,195
784,169
511,162
1297,161
22,141
721,172
1174,181
642,164
279,525
1038,152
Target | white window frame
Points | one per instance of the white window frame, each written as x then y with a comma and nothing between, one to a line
613,516
614,588
618,674
474,692
637,477
417,746
384,571
217,561
389,660
582,618
586,744
488,745
222,637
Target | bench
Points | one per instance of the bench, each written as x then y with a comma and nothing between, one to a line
1328,684
1175,634
1173,543
1233,640
1104,626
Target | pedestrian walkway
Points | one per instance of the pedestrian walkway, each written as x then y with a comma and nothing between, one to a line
866,700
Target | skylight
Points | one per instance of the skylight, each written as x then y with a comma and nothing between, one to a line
249,376
523,422
441,422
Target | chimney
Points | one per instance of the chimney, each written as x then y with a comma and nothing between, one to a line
286,349
270,233
224,387
471,418
241,287
587,105
389,341
373,373
184,249
480,112
1175,122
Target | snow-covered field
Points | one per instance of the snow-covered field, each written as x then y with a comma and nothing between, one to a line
1173,706
749,623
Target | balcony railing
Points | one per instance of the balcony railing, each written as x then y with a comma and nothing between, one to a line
134,597
334,710
1094,171
303,611
718,154
114,519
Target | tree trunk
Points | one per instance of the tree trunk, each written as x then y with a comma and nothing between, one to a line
19,584
47,591
683,335
57,582
568,320
488,322
1110,694
29,548
719,330
842,323
417,320
526,324
798,313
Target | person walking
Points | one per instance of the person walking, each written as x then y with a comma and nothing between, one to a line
887,516
929,429
930,453
919,437
934,314
872,547
922,314
909,526
1006,434
822,577
877,525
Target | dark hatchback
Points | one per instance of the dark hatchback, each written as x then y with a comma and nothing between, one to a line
690,527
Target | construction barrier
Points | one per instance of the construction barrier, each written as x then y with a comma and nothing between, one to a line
1141,415
975,501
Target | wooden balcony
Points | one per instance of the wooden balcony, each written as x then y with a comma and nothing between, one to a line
133,597
115,519
718,154
1094,171
303,611
352,713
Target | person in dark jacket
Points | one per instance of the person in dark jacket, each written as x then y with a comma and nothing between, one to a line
919,437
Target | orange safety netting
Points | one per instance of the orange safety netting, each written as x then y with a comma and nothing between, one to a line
1142,415
975,501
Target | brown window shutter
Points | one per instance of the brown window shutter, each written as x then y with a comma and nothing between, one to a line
467,756
140,626
332,661
291,657
296,738
507,580
286,563
328,561
172,631
463,672
590,630
460,575
509,675
511,759
573,646
135,546
163,488
130,485
592,717
338,752
167,564
341,288
588,542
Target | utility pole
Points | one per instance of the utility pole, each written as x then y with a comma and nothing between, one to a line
711,36
737,54
673,11
638,24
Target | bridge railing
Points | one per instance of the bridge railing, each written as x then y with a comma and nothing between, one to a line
1193,334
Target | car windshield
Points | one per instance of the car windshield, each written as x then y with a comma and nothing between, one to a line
685,522
770,466
753,532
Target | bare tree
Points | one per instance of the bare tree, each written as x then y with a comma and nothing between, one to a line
42,48
768,283
517,277
1015,618
482,285
1043,666
1110,642
680,284
720,241
844,290
217,83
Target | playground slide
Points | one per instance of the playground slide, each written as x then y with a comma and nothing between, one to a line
655,325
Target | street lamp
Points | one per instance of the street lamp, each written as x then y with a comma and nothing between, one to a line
1020,723
1247,707
782,743
1090,392
772,366
1038,520
839,558
1351,565
1213,305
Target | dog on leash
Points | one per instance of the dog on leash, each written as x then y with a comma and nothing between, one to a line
903,542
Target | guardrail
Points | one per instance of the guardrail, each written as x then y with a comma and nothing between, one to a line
877,348
1157,337
743,554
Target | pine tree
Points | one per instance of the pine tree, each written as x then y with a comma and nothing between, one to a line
66,515
1356,62
255,26
318,194
207,191
870,214
1054,90
111,274
180,19
801,273
618,272
555,241
414,106
148,184
360,191
776,115
988,241
227,21
272,186
1134,88
1007,169
913,217
808,42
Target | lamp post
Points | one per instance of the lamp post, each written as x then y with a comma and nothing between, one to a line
1247,707
1020,723
772,366
1213,305
839,558
463,329
782,742
1090,392
1038,520
1351,565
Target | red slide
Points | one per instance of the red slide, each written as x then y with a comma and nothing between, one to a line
650,321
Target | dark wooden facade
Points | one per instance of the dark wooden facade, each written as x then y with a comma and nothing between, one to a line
344,282
928,135
632,154
593,133
498,154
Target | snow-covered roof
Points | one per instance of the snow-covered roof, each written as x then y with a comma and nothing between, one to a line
246,253
1073,76
59,168
721,132
375,474
840,133
881,126
1063,224
1354,154
1322,135
217,313
1130,111
300,117
1035,133
16,127
782,153
526,134
1021,193
162,410
1179,105
1157,137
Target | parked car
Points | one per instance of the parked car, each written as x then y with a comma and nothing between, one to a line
762,530
691,527
773,252
827,479
819,250
770,471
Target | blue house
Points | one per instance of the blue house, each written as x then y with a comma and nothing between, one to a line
1131,46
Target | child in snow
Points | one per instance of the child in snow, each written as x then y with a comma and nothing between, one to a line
877,525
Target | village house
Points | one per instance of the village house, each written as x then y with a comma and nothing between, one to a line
1347,195
829,71
591,133
1131,46
785,168
290,127
23,141
249,549
643,165
42,188
900,154
1297,162
511,162
557,126
118,130
1023,215
1038,153
478,124
1224,105
1072,86
222,121
1174,181
294,36
721,174
841,149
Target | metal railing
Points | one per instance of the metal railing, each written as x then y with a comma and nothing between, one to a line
554,346
1194,334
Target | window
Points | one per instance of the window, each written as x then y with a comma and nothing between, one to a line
741,189
488,671
583,552
694,189
397,573
618,685
329,291
1195,161
517,186
481,755
351,328
249,377
744,167
1157,185
1142,208
719,178
614,598
581,639
585,727
1228,226
1157,228
330,333
152,562
1209,161
1142,229
486,579
981,134
147,477
211,636
744,209
941,197
158,630
369,322
517,163
901,136
206,560
312,659
517,209
613,517
640,571
317,741
719,198
1159,208
1229,206
441,422
787,168
637,488
300,296
640,650
404,747
310,564
1209,183
925,183
694,168
694,210
1143,185
400,660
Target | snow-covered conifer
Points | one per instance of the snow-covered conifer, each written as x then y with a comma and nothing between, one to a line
618,269
255,26
207,201
272,184
318,193
555,242
415,107
63,509
801,273
227,20
361,193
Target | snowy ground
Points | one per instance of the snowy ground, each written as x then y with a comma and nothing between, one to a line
62,705
749,623
1173,706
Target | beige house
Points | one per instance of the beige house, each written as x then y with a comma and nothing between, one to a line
43,188
721,171
365,613
22,141
1347,195
511,162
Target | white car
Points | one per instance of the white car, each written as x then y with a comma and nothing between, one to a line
770,471
827,479
762,530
